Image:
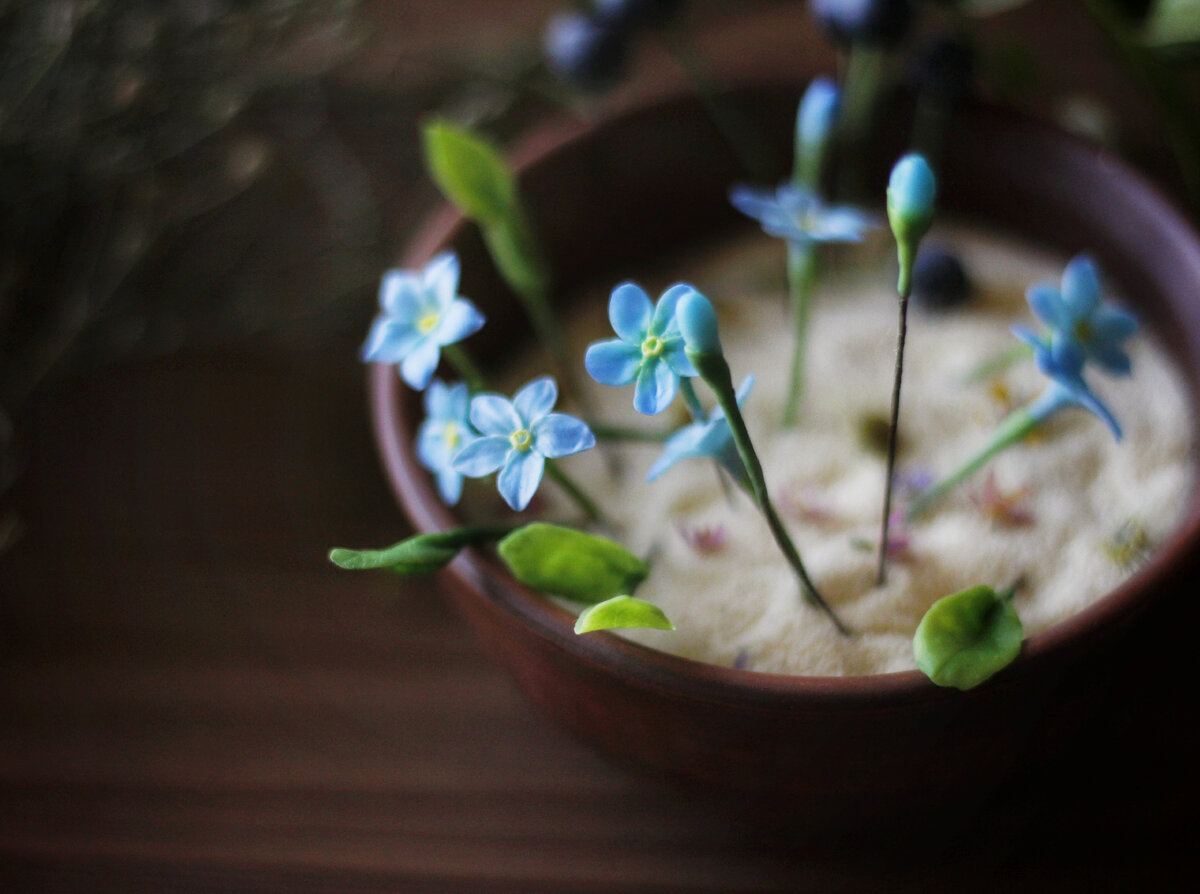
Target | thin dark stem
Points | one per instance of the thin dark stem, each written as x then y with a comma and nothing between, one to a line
893,432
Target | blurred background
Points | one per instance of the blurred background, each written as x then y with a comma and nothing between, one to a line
199,199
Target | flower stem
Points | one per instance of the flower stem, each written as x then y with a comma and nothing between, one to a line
572,490
1015,428
715,371
465,367
691,400
893,432
618,433
801,273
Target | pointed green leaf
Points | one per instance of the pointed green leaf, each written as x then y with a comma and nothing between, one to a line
470,172
569,563
621,612
1173,23
420,554
965,638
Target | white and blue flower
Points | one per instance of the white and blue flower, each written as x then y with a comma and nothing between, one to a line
517,437
710,437
421,313
649,350
1062,360
446,431
798,215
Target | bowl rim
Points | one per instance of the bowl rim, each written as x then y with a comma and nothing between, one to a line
391,406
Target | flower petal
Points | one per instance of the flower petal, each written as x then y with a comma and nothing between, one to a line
684,444
1111,359
841,224
630,312
664,313
519,478
493,414
1111,324
535,400
418,366
431,445
1047,304
675,356
612,362
1081,287
460,319
450,485
440,279
389,341
754,202
400,295
656,386
558,434
482,456
437,396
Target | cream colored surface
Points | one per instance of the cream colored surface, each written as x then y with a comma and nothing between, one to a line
1079,486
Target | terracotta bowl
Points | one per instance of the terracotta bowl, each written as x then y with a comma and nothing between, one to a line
839,749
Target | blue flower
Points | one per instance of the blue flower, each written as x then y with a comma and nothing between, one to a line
1075,314
445,431
912,188
799,216
517,437
421,314
649,351
711,437
817,115
1062,360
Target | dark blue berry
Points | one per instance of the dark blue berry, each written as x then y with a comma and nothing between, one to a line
628,15
939,281
879,23
945,70
583,50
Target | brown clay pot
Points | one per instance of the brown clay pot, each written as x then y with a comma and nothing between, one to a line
836,751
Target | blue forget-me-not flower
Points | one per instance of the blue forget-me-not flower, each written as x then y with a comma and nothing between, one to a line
518,436
446,430
421,313
798,215
710,437
649,350
1075,314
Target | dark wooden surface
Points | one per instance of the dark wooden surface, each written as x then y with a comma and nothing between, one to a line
193,700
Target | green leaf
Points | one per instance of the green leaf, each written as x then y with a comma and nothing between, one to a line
420,554
518,258
1172,23
470,172
569,563
621,612
965,638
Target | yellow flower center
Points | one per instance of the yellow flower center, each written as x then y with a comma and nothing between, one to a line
428,322
451,436
1082,330
652,346
521,440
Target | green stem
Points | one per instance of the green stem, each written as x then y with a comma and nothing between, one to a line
801,274
465,367
894,431
1014,429
746,140
618,433
572,490
688,390
715,371
860,91
1164,85
999,363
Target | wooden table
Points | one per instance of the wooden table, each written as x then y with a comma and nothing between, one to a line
193,699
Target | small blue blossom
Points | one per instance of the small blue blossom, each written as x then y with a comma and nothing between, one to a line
422,313
911,191
799,216
711,437
698,325
649,350
1062,360
817,115
445,431
1075,314
517,437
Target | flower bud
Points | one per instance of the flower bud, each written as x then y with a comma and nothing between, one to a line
698,324
910,194
818,113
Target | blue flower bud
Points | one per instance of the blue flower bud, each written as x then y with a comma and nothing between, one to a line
818,112
698,324
910,194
